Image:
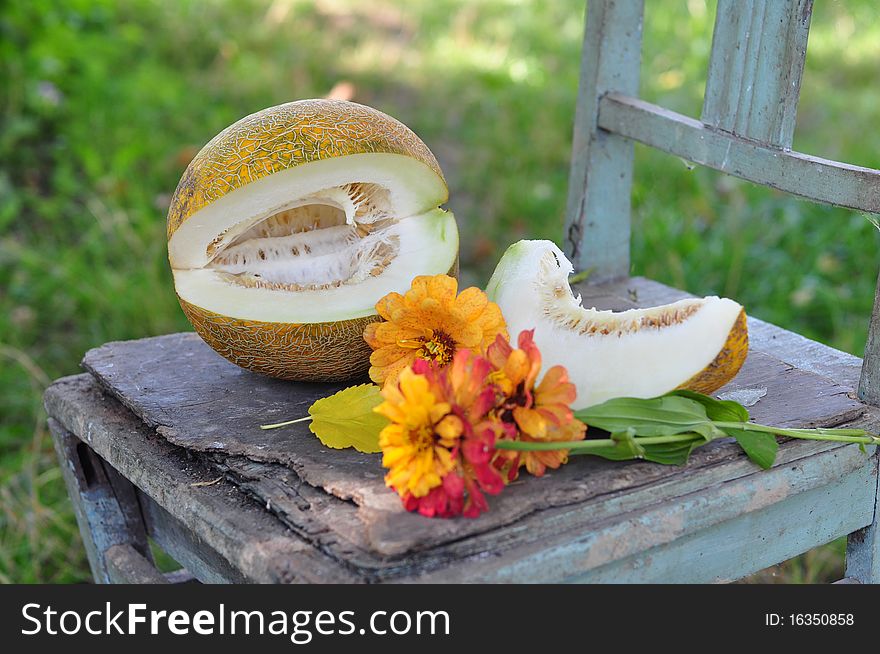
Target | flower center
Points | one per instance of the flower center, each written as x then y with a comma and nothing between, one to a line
519,397
437,346
423,438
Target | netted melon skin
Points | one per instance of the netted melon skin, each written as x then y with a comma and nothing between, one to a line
727,364
283,137
313,352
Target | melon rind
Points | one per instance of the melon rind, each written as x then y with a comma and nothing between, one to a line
287,136
695,343
311,352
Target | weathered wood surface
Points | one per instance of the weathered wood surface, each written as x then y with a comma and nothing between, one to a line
755,70
597,224
863,548
869,383
105,504
252,540
125,565
814,178
629,516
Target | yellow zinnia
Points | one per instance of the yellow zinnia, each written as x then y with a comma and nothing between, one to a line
417,445
430,322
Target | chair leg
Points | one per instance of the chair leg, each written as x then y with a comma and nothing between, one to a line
105,504
863,546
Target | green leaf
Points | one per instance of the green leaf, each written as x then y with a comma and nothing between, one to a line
347,419
760,447
672,454
721,410
626,448
659,416
610,452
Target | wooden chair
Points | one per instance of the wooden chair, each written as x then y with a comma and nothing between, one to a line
160,438
746,129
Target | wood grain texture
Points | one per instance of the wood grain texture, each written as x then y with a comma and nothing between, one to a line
252,540
597,224
869,382
863,548
104,503
718,534
125,565
755,70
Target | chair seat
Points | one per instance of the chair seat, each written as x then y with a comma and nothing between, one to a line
169,414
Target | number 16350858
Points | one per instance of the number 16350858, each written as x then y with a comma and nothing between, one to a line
809,620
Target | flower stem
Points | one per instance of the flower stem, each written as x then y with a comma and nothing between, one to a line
819,434
591,444
284,424
836,435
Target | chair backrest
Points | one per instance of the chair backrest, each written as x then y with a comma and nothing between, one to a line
746,129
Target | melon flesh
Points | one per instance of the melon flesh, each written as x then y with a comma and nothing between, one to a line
318,243
698,343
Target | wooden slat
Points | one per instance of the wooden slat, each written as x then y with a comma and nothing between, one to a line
125,565
186,547
755,70
750,542
597,227
820,180
869,382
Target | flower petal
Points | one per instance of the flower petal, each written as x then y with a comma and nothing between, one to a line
530,422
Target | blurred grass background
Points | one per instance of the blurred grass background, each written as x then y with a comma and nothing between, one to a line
104,102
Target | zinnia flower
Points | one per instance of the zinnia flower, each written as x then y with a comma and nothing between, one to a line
430,323
532,413
418,446
439,447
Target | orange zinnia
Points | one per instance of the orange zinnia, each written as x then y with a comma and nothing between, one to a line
430,322
537,413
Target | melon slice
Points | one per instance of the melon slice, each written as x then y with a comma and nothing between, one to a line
698,343
289,226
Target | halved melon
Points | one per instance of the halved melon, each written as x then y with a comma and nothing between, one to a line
289,226
698,343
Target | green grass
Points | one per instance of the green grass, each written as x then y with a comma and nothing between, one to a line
104,102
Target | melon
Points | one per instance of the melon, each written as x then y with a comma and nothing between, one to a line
288,227
695,343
